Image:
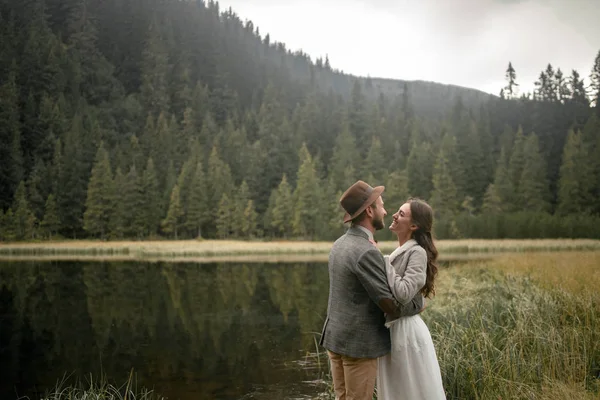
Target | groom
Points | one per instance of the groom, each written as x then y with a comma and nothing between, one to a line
354,333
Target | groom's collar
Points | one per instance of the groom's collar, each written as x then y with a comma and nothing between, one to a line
365,230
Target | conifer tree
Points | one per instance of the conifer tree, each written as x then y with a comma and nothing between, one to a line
134,200
342,171
595,83
533,185
517,160
503,186
170,180
283,209
591,141
24,220
51,223
38,188
562,87
3,225
99,204
8,227
11,155
219,179
357,117
374,165
444,198
172,221
161,150
492,203
250,221
305,197
224,217
577,89
240,202
119,213
575,174
197,208
154,71
511,91
419,168
71,189
151,200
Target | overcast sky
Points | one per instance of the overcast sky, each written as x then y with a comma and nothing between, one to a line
462,42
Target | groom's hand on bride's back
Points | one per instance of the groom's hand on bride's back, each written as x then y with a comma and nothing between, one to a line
397,310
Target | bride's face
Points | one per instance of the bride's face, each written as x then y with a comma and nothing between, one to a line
402,221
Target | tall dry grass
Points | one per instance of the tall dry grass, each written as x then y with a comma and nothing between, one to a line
518,326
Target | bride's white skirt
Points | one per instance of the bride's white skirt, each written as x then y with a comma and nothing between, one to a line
411,370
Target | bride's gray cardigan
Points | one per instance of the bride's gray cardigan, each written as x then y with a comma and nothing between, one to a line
406,270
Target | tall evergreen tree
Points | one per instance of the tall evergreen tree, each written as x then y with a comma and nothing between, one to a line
250,220
595,83
11,156
420,170
357,118
283,209
198,211
224,217
533,185
563,92
342,169
155,67
511,91
23,219
577,89
99,204
492,204
133,198
172,221
444,198
51,223
503,185
575,178
72,181
374,166
150,211
304,219
119,213
517,160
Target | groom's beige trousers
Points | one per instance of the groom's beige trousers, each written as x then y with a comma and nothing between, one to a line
353,378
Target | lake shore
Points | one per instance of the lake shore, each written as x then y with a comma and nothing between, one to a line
237,250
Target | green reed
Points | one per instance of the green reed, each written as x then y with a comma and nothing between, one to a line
100,390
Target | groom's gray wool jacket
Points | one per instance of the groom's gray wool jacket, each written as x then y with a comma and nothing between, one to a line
355,325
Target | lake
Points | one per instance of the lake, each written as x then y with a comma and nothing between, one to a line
187,330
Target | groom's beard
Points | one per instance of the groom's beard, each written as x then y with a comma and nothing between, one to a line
378,224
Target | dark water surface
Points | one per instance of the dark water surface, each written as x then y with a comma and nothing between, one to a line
188,330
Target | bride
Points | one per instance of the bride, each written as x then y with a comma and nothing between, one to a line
411,369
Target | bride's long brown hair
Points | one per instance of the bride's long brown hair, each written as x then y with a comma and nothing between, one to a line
422,216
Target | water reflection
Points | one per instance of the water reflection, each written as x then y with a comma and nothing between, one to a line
191,331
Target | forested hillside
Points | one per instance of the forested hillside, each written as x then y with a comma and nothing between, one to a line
168,118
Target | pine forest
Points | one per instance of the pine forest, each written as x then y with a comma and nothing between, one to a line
145,119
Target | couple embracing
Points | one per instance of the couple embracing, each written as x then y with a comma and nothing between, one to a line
373,331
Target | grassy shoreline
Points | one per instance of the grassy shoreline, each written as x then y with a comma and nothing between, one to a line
516,327
232,250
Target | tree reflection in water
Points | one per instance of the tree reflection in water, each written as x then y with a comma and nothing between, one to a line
188,330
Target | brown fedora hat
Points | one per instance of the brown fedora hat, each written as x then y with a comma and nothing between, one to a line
358,197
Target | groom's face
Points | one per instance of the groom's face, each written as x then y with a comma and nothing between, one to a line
378,214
